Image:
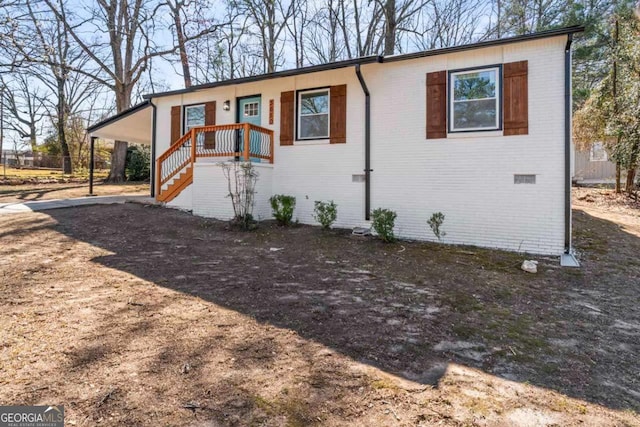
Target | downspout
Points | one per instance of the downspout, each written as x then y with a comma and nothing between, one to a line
367,145
153,149
567,259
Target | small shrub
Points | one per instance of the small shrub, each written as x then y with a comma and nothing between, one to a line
282,207
241,180
325,213
435,222
383,222
137,163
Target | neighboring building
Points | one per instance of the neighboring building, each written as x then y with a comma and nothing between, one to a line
593,165
479,132
15,158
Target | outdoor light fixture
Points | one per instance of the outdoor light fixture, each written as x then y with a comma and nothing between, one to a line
227,105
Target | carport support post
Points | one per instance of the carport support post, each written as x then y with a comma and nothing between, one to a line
91,161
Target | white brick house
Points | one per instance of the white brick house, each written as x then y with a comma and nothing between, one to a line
477,132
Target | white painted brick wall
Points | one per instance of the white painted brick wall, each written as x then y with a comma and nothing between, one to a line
211,189
469,179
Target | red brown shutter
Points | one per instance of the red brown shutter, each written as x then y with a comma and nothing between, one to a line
338,119
437,105
175,123
516,98
287,113
210,120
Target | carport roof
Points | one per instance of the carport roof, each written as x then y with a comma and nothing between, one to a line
132,125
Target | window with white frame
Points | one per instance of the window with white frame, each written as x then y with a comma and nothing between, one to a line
313,114
193,117
597,153
474,100
251,109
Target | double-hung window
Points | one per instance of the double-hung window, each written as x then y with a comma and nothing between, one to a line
193,117
474,100
313,114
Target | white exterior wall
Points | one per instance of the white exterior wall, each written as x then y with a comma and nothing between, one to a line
467,177
211,187
184,200
316,170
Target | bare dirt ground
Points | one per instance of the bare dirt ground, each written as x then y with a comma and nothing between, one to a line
131,315
33,192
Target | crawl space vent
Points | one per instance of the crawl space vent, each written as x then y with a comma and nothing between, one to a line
524,179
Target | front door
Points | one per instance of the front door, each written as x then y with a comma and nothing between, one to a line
250,111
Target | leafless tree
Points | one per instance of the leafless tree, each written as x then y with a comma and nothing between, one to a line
23,106
444,23
296,27
190,22
123,57
269,18
325,34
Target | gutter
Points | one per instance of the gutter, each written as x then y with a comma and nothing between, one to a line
567,259
369,60
152,185
367,143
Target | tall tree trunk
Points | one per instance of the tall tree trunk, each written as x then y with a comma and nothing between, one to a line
499,18
119,154
62,133
390,27
618,178
631,177
184,59
33,132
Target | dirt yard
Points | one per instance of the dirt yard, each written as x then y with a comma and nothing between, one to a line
133,315
33,192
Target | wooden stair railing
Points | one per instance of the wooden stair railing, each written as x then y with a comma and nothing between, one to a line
240,141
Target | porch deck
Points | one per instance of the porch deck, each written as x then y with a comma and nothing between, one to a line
233,142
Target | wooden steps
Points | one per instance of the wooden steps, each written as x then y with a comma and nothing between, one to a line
182,181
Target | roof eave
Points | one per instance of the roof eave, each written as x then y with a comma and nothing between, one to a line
94,127
487,43
277,74
372,59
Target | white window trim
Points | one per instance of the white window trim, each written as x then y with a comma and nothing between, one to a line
451,112
244,108
299,114
188,107
601,147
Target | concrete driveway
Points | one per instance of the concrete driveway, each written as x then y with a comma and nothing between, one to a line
42,205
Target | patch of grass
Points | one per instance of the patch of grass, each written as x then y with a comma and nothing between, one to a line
565,406
464,331
384,384
480,406
502,294
462,302
295,409
264,404
549,368
49,173
521,332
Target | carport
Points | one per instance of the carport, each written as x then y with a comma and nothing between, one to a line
133,125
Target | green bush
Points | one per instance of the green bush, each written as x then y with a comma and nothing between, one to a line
137,163
383,222
435,222
325,213
282,207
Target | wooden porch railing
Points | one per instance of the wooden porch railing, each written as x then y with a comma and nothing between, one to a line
241,141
